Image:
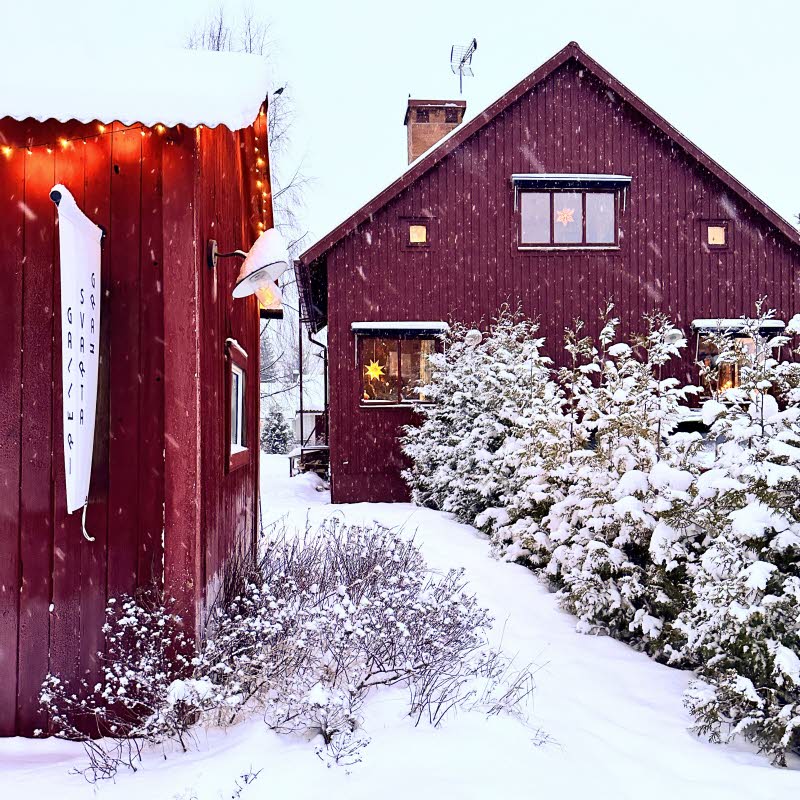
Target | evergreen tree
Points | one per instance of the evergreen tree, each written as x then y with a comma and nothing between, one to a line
276,434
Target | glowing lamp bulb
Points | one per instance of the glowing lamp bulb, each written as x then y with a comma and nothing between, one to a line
7,151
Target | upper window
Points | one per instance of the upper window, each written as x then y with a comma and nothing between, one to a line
568,218
422,115
417,232
238,434
715,234
392,368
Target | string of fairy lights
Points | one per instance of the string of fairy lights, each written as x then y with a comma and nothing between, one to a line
66,143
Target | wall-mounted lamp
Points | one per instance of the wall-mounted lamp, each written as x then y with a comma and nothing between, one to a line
265,262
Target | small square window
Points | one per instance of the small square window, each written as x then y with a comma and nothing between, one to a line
423,115
451,116
715,234
417,233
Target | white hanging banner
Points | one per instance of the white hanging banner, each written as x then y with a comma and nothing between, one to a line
79,247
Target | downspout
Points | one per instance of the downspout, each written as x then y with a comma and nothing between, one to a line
324,349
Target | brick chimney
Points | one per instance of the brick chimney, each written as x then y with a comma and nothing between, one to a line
428,121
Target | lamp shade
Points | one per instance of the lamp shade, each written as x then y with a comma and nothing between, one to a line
267,260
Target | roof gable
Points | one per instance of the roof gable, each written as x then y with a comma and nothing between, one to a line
459,135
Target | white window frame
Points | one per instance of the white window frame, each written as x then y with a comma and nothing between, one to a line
238,443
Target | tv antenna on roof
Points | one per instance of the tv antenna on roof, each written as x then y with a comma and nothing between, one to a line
461,62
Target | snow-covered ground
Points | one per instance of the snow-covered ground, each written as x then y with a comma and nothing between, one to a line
610,721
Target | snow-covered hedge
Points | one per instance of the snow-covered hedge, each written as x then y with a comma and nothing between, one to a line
302,638
683,546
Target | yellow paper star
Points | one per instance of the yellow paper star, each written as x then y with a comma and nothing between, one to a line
565,216
374,371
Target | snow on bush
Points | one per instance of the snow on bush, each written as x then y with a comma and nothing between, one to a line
684,548
302,637
742,628
480,387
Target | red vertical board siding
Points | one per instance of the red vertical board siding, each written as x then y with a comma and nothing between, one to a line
11,320
155,365
151,367
570,122
97,206
229,496
36,513
122,307
182,557
65,642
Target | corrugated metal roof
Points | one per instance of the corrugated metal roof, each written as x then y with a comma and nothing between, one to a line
171,87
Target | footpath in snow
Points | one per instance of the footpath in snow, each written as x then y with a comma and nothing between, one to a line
609,722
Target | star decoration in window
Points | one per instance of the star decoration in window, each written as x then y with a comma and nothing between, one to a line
374,371
565,216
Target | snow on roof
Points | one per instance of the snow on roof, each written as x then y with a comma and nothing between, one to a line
735,324
566,177
173,87
413,325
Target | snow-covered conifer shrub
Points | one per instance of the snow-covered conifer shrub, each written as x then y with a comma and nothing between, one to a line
481,386
600,529
742,627
276,433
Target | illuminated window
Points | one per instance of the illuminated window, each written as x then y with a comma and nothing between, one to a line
715,234
728,374
568,218
392,368
417,234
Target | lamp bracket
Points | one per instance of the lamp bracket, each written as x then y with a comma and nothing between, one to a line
212,254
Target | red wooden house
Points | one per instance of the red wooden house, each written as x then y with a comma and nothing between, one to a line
164,156
567,191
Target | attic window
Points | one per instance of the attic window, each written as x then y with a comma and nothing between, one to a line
715,234
451,115
416,232
423,115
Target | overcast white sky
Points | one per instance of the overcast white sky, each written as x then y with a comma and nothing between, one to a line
727,74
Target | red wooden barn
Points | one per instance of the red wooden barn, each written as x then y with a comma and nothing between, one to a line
164,155
567,191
